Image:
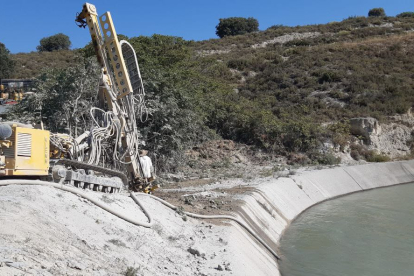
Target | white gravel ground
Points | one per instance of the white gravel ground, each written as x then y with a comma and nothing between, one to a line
45,231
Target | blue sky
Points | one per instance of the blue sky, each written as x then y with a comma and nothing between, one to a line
23,22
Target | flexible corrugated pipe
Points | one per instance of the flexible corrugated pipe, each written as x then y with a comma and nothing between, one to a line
80,193
150,222
239,222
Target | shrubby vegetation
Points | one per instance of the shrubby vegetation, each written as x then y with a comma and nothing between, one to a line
7,64
54,43
359,152
376,12
236,26
177,98
274,97
30,65
406,14
63,98
352,68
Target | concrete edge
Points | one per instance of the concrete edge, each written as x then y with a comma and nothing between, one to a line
278,202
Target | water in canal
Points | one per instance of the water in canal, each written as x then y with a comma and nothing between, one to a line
363,234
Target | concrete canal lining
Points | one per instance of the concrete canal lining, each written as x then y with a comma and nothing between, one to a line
277,202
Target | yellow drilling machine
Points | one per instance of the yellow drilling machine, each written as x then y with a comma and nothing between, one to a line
30,151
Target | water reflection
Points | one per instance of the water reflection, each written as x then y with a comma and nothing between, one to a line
368,233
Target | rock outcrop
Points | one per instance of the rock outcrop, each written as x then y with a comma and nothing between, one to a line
391,138
365,127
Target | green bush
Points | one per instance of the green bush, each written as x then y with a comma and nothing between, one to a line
239,64
360,151
326,159
275,27
355,155
299,136
327,76
299,42
54,43
236,26
7,64
179,99
374,157
340,133
376,12
405,15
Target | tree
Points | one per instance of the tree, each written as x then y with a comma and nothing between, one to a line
54,43
236,26
405,14
376,12
175,99
63,98
6,63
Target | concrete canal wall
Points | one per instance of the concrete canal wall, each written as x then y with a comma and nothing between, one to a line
276,202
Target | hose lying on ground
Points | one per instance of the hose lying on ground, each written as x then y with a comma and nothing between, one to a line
82,194
239,222
150,222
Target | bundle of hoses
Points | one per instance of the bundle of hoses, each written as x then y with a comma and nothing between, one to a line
150,222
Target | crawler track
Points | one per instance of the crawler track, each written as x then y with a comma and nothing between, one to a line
101,186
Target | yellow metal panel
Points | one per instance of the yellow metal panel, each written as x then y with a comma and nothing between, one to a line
31,152
123,82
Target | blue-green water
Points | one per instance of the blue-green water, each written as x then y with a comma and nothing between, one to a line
363,234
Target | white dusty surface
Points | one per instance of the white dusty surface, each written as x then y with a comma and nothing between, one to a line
45,231
286,38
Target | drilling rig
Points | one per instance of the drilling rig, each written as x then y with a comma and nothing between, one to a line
33,152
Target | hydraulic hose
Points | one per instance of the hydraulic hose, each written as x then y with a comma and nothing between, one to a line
239,222
150,222
82,194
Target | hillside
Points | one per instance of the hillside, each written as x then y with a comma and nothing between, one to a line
360,66
290,91
29,65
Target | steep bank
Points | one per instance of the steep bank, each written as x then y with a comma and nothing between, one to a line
277,202
45,231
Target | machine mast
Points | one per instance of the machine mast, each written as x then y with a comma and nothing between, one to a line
116,90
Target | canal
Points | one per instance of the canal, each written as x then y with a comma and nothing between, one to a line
367,233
